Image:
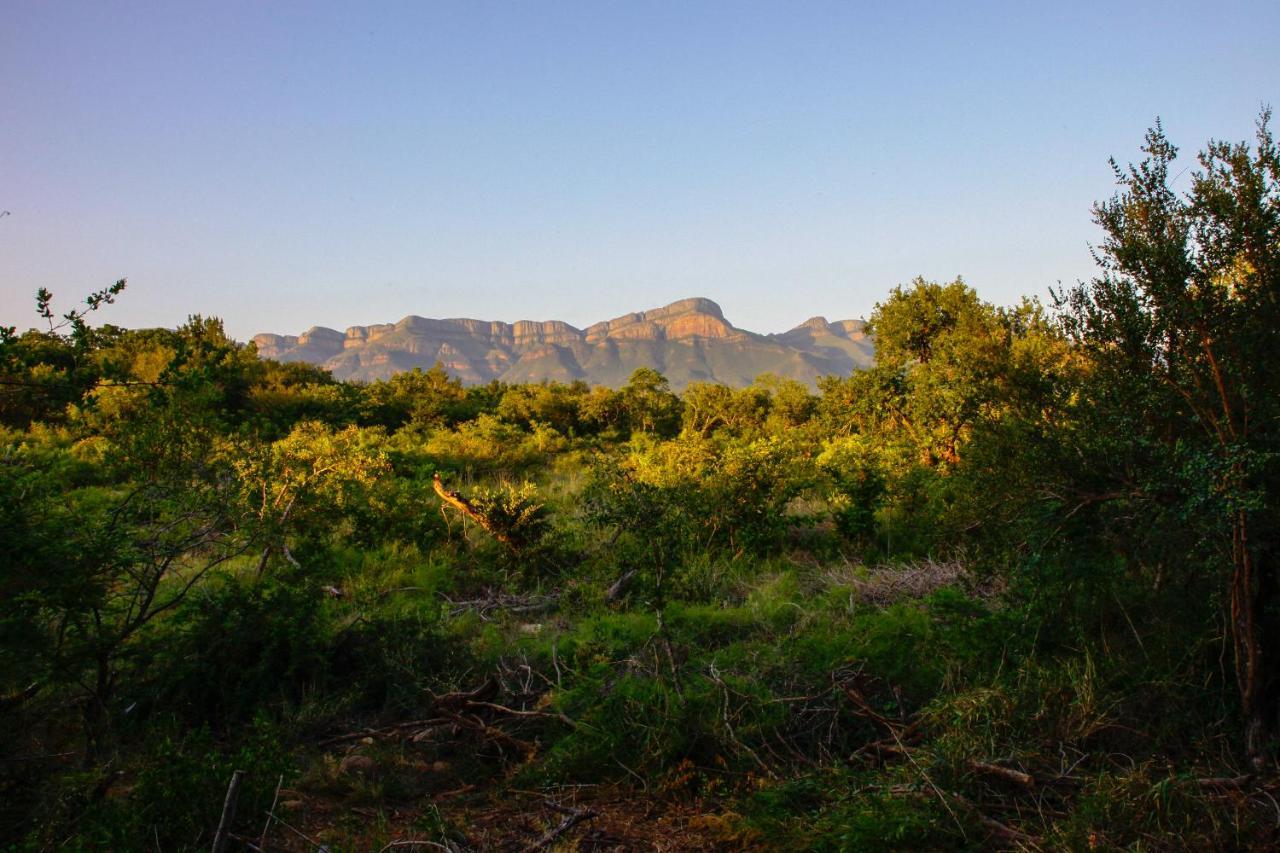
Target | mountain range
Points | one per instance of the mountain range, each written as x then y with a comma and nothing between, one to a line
687,341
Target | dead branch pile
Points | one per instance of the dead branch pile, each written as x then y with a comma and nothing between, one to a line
471,711
887,584
502,602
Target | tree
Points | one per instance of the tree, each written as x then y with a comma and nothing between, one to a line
555,404
1181,330
710,406
42,372
601,410
89,567
309,475
649,404
941,353
429,398
791,405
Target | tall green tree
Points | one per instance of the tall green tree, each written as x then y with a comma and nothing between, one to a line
649,404
941,357
1181,330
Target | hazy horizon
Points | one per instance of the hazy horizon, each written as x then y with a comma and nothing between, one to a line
287,166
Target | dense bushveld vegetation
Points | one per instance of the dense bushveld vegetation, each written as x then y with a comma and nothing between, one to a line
1015,585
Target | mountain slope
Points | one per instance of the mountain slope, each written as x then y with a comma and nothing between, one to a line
688,341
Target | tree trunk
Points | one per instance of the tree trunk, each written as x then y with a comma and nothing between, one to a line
1250,636
468,509
95,710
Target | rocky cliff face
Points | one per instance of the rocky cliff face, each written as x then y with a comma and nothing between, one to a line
688,341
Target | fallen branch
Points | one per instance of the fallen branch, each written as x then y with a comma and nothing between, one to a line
262,840
900,731
383,732
1000,831
728,726
13,700
296,831
1234,783
220,837
456,792
461,708
883,749
458,699
572,817
513,712
1026,780
479,726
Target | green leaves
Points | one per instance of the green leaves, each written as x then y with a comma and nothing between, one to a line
307,479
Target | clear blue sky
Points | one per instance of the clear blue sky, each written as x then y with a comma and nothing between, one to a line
283,165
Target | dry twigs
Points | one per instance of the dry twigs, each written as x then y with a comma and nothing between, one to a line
494,602
999,831
462,710
262,840
572,817
410,843
900,743
384,731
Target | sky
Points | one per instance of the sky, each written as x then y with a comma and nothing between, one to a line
283,165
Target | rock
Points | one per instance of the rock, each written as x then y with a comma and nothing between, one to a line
689,341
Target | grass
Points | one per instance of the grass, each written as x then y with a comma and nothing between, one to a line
748,701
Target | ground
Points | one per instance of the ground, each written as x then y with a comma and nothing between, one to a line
600,819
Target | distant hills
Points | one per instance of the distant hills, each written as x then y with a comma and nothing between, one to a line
688,341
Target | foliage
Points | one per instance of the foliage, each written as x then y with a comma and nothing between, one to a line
310,476
1013,585
1178,330
515,511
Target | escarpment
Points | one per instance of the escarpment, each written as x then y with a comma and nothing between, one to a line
688,341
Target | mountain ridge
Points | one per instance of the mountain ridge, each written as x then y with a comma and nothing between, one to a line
688,340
